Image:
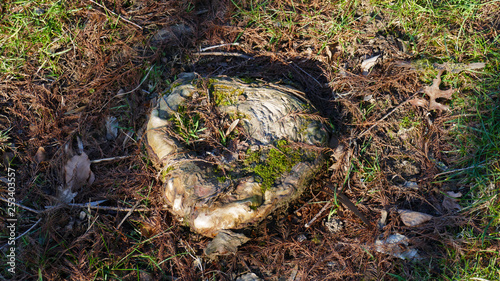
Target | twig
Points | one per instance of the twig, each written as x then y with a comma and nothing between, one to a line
344,200
140,84
457,170
108,159
129,213
307,225
219,46
107,208
20,206
119,16
387,115
225,54
296,66
24,233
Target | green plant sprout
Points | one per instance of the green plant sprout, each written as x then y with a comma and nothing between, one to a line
188,127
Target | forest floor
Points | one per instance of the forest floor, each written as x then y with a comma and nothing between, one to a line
401,143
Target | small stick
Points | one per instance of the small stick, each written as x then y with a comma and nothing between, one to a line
387,115
344,200
225,54
307,225
219,46
119,16
107,208
457,170
129,213
108,159
307,74
20,206
24,233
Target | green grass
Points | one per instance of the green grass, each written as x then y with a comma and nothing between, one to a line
189,125
34,33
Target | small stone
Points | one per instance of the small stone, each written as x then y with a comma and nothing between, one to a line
301,238
411,185
334,225
82,215
332,264
412,218
38,11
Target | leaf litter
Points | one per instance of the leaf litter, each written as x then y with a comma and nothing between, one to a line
95,71
434,93
77,174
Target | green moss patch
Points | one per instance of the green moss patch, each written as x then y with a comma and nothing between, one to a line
272,164
224,95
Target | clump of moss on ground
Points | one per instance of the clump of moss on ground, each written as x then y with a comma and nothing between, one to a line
272,164
224,95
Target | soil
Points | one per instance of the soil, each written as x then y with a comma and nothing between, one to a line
372,157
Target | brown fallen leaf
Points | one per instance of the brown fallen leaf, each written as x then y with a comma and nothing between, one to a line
367,64
231,127
111,128
328,52
40,155
434,93
77,173
337,157
450,202
419,102
226,242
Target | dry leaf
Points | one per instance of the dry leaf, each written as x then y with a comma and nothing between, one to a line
450,202
77,173
367,64
337,157
232,126
226,242
250,277
412,218
419,102
65,195
328,52
397,246
111,128
120,93
383,219
434,93
40,155
454,194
